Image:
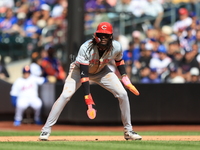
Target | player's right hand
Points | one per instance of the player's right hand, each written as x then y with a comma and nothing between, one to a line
91,112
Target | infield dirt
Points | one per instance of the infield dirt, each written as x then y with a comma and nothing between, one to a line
8,126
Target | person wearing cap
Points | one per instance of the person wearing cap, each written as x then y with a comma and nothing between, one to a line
45,12
172,74
183,22
91,65
52,66
152,78
144,60
162,61
24,94
187,62
194,73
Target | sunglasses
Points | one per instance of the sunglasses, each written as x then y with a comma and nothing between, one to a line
100,35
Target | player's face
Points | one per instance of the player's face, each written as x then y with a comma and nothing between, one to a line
26,75
104,38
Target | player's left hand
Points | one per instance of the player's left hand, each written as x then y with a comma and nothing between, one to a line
133,89
127,83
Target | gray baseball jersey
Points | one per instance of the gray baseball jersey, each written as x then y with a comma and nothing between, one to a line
99,73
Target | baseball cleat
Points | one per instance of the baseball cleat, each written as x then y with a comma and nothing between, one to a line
17,123
131,135
44,136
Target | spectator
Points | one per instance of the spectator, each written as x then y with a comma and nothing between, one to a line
136,38
122,39
198,40
102,6
191,36
24,93
35,5
19,26
183,22
173,48
128,58
195,21
58,8
7,3
161,62
32,30
60,37
194,73
152,78
145,58
45,12
52,66
90,5
175,52
8,21
112,3
172,75
144,73
189,61
48,33
157,11
137,7
122,6
166,36
35,66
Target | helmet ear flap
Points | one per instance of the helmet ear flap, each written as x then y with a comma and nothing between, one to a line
96,38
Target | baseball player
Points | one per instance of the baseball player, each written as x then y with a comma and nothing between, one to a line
91,64
24,93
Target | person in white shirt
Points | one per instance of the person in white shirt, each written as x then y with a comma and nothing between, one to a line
183,22
154,9
24,93
35,66
162,61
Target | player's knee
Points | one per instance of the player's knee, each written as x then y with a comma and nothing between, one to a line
122,94
64,96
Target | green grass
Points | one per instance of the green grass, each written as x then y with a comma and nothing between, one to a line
101,145
98,145
72,133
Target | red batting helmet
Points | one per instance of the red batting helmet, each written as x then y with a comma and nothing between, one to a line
104,27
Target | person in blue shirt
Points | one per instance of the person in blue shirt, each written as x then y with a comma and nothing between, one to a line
8,21
152,78
128,58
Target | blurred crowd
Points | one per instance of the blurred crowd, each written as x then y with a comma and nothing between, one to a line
44,21
166,55
158,53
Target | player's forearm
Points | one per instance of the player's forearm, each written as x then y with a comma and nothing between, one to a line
121,67
125,80
85,83
85,78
